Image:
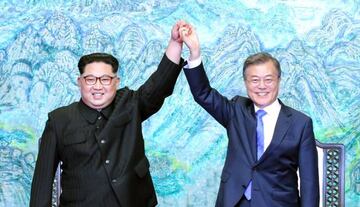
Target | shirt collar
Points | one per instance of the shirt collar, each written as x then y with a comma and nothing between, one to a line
91,114
270,109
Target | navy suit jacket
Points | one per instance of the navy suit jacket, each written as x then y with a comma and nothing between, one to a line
274,175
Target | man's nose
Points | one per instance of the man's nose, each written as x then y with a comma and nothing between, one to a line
262,83
98,84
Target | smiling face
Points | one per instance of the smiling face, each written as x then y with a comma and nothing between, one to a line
262,83
98,96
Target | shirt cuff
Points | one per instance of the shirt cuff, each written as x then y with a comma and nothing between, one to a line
193,63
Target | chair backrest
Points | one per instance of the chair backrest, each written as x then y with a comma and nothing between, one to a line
56,188
331,159
331,162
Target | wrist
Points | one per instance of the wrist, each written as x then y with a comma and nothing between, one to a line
175,45
178,42
173,51
194,54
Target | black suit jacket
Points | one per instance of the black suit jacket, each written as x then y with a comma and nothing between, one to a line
274,175
106,167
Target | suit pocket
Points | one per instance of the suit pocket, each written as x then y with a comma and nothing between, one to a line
76,146
136,188
142,168
74,138
285,196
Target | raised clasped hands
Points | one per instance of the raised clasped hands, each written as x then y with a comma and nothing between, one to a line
175,32
187,34
183,32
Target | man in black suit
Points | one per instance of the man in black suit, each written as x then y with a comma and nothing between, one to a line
268,141
99,139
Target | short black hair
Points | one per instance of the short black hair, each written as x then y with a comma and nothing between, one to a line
98,57
260,58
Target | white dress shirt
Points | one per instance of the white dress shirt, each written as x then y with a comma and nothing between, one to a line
193,63
269,120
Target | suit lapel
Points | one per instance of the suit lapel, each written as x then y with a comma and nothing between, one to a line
251,132
282,126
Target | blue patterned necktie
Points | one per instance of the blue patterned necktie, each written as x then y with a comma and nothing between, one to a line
260,144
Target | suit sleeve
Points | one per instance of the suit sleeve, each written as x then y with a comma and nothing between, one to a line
308,168
159,86
45,168
211,100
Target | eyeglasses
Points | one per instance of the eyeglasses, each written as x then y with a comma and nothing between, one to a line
268,81
104,80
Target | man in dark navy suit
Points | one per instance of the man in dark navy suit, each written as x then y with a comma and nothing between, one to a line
268,141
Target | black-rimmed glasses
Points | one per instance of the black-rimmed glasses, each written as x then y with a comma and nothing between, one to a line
104,80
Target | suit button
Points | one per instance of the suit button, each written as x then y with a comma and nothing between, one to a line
102,141
97,127
114,181
99,117
107,161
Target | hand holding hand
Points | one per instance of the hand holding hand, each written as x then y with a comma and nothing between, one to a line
175,32
189,37
173,51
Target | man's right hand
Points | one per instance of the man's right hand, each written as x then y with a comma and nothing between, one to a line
173,51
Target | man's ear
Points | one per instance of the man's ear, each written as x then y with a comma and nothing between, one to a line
79,81
117,82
